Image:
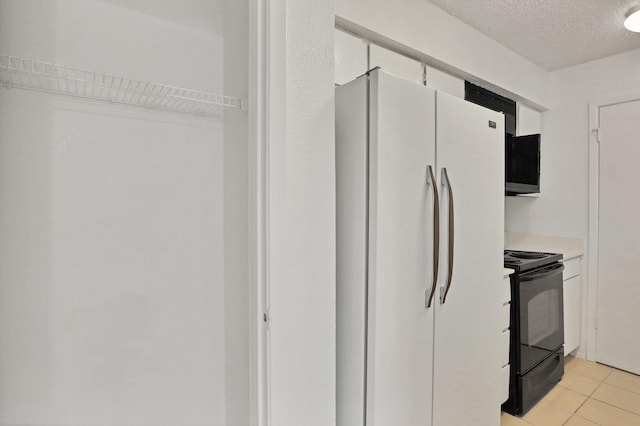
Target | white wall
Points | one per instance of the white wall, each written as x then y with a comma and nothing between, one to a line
562,208
25,224
112,291
446,43
302,217
237,291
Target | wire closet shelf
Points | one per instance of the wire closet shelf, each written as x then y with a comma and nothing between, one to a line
31,74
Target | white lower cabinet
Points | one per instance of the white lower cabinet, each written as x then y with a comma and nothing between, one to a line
571,304
504,375
503,365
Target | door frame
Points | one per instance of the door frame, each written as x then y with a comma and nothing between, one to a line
266,109
594,205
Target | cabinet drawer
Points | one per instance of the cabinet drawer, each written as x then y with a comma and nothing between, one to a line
571,268
504,383
504,348
505,316
505,290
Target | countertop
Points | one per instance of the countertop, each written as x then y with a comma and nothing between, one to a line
570,248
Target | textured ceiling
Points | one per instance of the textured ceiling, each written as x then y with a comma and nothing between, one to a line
551,33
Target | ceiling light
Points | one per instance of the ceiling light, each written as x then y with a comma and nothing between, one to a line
632,21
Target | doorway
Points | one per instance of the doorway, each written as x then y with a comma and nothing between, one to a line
130,290
615,234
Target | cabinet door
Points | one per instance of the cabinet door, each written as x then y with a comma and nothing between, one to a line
400,327
571,308
350,57
395,63
470,146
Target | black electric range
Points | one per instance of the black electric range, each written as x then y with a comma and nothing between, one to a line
521,261
536,352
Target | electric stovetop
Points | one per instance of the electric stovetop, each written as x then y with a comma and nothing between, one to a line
521,261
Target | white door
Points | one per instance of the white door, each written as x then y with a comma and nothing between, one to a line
618,341
470,146
402,132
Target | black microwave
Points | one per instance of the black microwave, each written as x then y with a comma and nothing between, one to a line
522,164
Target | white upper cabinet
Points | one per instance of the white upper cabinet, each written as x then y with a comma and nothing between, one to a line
529,121
443,82
350,57
395,63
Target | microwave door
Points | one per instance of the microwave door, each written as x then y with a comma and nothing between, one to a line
522,164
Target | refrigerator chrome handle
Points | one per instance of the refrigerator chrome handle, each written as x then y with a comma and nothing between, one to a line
446,182
431,180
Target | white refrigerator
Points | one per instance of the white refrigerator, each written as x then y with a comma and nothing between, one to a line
420,223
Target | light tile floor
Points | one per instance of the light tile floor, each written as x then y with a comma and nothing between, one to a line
588,394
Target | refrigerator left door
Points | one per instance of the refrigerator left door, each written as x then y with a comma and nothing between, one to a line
401,238
385,141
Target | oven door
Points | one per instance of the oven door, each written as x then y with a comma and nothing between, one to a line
541,315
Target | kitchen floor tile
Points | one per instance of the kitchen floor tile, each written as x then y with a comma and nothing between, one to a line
592,370
544,414
509,420
607,415
624,380
564,399
579,421
618,397
579,383
589,394
568,360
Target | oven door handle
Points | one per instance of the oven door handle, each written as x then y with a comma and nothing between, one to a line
543,273
431,180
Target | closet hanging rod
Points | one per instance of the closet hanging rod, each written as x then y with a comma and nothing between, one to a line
31,74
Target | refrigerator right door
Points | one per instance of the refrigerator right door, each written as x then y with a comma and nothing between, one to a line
470,157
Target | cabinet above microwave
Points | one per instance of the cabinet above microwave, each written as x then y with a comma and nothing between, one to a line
522,164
